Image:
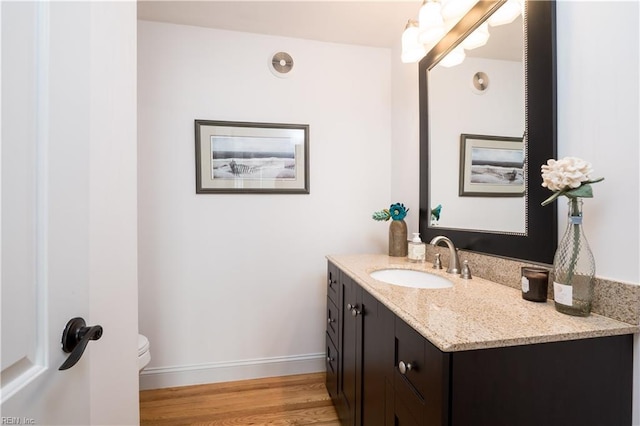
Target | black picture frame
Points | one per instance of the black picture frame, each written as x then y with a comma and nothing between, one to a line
237,157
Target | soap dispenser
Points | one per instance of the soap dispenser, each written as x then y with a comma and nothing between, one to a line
417,249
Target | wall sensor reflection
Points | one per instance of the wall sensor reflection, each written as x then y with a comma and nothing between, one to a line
480,83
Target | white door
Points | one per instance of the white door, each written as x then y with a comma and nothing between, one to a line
68,216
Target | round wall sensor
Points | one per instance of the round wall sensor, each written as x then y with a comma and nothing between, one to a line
281,64
480,82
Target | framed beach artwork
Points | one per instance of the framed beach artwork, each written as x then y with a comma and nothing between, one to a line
491,166
242,157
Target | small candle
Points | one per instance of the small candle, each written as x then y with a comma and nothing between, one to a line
534,283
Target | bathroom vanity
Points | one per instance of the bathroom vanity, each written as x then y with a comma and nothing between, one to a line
472,354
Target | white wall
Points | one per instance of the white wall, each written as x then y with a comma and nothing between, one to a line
233,285
599,122
598,110
405,138
598,96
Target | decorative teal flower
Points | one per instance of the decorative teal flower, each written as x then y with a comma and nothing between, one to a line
397,211
435,213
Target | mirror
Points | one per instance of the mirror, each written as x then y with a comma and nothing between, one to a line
486,127
477,118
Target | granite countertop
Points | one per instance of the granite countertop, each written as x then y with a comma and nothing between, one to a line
475,313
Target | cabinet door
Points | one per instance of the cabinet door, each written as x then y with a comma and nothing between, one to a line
377,360
421,378
579,382
350,352
409,407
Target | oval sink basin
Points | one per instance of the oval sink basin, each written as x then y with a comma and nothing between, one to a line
411,278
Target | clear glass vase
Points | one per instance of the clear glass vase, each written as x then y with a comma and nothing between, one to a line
574,267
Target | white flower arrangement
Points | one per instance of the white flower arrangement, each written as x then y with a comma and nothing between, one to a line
569,176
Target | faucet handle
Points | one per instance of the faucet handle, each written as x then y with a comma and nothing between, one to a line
437,263
466,272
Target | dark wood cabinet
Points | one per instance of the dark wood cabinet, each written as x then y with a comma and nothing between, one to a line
333,333
365,354
386,373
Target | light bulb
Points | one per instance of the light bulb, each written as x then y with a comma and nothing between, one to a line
453,58
477,38
506,14
412,49
431,23
453,10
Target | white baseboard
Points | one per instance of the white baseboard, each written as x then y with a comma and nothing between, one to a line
215,372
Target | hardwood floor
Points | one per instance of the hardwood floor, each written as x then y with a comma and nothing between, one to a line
278,401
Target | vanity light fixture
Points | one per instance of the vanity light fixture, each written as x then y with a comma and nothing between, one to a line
436,17
412,49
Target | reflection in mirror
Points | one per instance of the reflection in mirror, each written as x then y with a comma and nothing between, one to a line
480,103
483,95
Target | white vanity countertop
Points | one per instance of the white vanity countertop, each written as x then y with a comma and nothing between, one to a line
475,313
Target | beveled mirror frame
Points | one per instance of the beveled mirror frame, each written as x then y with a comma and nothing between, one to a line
540,240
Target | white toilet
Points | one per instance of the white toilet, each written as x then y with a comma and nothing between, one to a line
144,356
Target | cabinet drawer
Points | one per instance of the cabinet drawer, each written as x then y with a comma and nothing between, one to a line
332,283
333,323
332,369
410,357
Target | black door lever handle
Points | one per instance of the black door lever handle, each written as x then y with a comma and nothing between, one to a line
75,338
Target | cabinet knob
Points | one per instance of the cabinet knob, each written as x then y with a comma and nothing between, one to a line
350,306
404,367
355,312
330,320
330,283
330,359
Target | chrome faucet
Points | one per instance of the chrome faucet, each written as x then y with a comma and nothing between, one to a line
454,262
